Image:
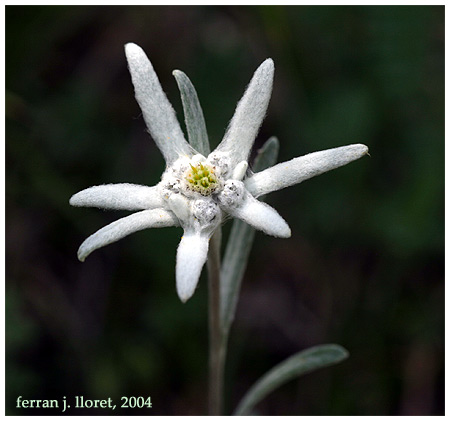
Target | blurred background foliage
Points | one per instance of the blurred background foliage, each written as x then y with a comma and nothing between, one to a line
364,266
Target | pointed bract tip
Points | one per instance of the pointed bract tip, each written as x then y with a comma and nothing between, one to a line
366,150
186,290
278,227
279,230
184,296
288,233
362,149
283,231
72,200
130,46
267,64
355,151
133,50
81,256
77,200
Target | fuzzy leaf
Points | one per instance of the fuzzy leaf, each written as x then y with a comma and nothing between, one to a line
239,245
193,114
301,363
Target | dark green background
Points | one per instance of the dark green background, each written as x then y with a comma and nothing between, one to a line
364,266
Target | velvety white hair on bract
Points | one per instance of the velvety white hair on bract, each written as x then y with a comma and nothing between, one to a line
197,192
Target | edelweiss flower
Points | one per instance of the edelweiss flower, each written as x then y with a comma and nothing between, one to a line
198,192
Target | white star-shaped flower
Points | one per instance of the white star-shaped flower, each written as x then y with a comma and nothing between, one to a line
198,192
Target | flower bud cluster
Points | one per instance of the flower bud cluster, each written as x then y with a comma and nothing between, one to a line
232,194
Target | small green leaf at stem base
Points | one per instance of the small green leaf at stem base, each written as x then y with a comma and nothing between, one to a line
298,364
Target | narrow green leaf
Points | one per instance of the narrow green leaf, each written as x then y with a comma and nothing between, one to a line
301,363
239,245
267,155
193,114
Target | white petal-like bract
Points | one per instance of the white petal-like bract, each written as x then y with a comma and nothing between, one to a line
299,169
249,114
191,256
119,196
153,218
157,111
262,217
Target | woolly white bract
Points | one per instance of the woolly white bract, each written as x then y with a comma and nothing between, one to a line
197,192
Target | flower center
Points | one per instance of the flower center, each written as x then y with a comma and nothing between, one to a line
201,178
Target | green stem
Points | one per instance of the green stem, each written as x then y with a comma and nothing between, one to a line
217,347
